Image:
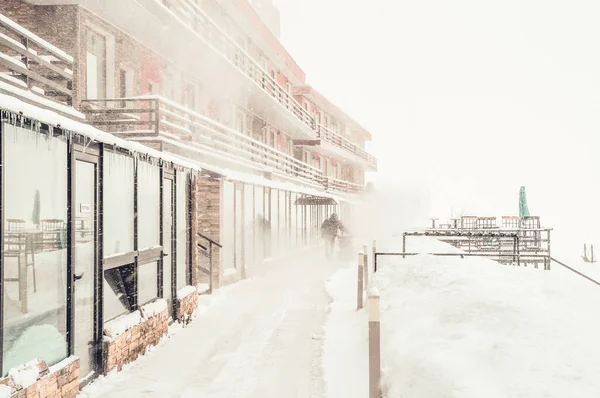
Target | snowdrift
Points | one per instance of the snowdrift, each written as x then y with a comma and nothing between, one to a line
456,327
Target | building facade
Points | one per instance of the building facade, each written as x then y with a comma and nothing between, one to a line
182,146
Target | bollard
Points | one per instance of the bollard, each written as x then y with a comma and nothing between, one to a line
360,287
374,345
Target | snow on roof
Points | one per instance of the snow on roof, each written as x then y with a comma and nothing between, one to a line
54,119
38,40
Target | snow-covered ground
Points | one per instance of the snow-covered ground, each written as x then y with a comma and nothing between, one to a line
260,337
456,327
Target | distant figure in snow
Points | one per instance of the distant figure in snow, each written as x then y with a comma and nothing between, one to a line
329,231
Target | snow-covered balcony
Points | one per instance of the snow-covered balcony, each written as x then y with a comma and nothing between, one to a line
169,126
335,184
180,31
34,69
335,144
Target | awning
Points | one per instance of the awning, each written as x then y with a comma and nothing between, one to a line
315,201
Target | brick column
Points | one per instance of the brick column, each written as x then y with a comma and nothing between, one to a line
206,219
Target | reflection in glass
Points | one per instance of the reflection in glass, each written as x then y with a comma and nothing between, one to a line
227,227
239,225
35,175
118,203
119,291
249,224
148,205
182,229
147,282
259,224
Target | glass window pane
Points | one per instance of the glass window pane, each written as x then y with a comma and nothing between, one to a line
239,225
147,282
259,222
148,205
35,178
249,224
227,227
118,203
118,292
182,229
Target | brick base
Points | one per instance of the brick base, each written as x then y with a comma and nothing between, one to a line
186,303
58,381
132,343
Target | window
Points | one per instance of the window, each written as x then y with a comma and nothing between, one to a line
35,174
182,221
119,281
148,231
227,224
125,85
153,88
249,224
96,65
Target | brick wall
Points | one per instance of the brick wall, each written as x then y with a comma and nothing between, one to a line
186,303
58,381
126,347
206,219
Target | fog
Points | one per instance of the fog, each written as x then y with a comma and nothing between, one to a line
471,99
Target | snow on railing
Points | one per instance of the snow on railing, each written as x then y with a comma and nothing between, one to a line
344,143
196,19
28,61
341,185
156,116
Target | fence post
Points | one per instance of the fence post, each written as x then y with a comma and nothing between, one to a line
403,244
374,345
374,257
360,288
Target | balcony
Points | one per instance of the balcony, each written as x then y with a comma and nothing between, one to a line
35,70
161,122
191,15
334,184
338,141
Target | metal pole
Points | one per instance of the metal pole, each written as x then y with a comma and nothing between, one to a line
374,346
374,257
403,245
360,288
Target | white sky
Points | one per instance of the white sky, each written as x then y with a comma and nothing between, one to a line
472,97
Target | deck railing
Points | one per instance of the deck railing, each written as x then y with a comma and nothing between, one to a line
29,62
155,116
341,142
192,15
341,185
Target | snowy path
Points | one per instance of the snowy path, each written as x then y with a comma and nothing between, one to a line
258,338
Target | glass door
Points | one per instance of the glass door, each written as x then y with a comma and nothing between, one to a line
168,235
84,267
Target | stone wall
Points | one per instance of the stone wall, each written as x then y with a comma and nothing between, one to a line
58,381
126,340
206,219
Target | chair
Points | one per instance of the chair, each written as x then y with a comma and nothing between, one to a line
19,244
53,234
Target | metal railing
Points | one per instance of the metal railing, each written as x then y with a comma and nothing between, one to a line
341,142
155,116
192,15
29,62
209,251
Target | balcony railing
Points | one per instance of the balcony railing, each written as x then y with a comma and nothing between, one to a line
341,185
29,62
341,142
196,19
144,118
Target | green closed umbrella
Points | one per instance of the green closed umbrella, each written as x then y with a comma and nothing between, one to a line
523,209
35,214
